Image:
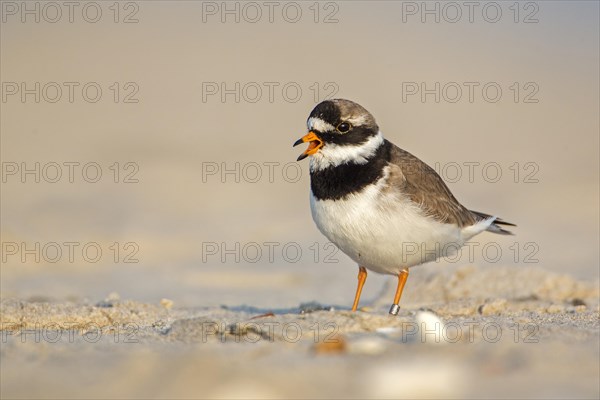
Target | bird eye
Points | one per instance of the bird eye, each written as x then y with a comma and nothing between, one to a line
344,127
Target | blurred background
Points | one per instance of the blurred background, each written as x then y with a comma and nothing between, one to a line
147,146
188,111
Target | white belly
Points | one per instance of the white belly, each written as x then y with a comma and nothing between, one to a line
384,233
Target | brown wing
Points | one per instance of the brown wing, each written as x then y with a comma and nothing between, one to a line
424,186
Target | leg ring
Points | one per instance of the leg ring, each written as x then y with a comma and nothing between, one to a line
394,309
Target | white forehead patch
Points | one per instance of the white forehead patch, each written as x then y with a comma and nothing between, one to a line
358,120
319,125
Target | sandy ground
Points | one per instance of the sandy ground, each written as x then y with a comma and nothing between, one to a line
463,336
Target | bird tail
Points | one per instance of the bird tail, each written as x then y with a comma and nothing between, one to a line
497,225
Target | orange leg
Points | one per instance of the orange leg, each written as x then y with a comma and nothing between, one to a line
362,277
402,277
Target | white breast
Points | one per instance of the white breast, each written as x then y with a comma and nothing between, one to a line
385,232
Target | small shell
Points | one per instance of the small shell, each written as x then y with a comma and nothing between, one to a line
431,328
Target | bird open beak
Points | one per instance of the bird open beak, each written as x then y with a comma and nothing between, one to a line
314,145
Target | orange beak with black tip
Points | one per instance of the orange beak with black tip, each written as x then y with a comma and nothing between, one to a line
314,144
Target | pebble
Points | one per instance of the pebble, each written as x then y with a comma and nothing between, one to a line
306,308
577,302
431,327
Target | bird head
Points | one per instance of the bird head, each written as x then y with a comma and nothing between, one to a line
340,131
